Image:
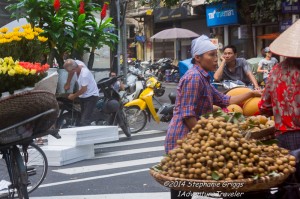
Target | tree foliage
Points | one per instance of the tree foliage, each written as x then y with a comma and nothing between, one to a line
69,29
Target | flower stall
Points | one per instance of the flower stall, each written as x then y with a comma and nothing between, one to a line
21,53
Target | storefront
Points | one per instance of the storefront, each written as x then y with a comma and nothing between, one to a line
224,21
180,17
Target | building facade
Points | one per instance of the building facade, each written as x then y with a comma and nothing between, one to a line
221,21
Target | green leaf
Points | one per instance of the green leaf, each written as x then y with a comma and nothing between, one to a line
215,175
273,174
256,177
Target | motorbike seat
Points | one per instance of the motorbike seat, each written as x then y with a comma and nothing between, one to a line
106,82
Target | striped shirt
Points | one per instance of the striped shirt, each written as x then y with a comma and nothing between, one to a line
195,97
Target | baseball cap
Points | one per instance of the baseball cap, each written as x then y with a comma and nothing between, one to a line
267,49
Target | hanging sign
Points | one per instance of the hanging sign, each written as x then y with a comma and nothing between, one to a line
290,7
221,13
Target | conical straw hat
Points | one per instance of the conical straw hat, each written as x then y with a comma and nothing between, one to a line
288,42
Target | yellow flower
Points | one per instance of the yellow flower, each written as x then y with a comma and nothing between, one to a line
39,30
33,72
16,38
7,35
4,30
28,30
11,72
42,39
11,61
29,36
26,26
21,34
4,69
16,29
6,60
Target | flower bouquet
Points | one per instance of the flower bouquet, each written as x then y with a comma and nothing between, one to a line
24,43
21,51
16,75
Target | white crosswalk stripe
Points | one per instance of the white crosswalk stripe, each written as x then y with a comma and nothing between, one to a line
143,151
115,165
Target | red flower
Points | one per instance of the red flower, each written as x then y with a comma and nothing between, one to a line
81,7
56,5
103,12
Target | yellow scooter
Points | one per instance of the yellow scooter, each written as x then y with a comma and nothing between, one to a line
138,109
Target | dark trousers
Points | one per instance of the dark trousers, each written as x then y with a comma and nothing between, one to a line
87,107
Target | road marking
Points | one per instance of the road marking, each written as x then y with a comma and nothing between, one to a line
150,132
114,165
128,152
113,196
127,143
92,178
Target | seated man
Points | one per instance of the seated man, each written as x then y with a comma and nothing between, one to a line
233,68
118,85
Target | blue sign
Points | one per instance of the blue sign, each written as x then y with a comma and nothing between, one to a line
285,24
290,7
221,13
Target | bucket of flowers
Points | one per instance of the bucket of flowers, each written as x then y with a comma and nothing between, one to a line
21,51
16,76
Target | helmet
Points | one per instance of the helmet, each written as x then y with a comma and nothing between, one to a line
111,106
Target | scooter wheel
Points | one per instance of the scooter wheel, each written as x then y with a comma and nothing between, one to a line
137,118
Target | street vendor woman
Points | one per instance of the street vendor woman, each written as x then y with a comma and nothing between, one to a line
281,97
196,96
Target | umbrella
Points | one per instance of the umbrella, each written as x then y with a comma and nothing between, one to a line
173,34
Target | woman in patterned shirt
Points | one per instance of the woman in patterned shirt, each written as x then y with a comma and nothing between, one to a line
281,97
196,96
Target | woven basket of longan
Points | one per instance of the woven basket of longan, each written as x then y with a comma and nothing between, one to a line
217,154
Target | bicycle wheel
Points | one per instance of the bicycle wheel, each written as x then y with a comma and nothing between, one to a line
19,173
37,167
137,119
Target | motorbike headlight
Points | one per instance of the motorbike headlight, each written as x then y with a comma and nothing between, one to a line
150,83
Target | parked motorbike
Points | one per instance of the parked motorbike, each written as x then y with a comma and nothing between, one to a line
134,86
110,106
139,110
164,70
108,111
229,84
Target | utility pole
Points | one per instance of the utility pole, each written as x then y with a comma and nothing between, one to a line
117,2
123,38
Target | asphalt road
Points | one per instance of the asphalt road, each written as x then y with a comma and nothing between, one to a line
119,170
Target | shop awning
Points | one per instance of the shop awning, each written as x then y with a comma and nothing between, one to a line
270,36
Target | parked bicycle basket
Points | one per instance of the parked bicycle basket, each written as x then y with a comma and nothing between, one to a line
19,107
